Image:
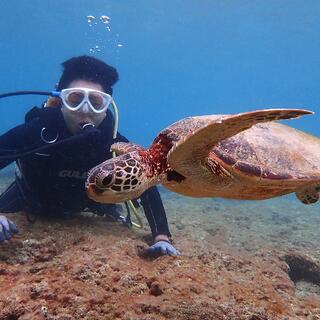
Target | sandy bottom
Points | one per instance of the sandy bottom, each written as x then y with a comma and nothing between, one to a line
240,260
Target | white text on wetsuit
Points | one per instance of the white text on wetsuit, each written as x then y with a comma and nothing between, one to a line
72,174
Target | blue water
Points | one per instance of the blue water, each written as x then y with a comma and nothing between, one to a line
175,58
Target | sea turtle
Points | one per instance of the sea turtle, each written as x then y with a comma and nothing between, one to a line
240,156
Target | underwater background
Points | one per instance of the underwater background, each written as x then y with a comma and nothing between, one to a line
176,59
241,260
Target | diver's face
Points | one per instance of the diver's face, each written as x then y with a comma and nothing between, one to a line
76,119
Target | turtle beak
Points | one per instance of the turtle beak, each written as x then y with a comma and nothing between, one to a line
92,191
95,189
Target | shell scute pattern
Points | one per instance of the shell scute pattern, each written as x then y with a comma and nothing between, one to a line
241,154
238,153
241,149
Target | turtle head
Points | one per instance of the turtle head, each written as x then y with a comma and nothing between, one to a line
118,179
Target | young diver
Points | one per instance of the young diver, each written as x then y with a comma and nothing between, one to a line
51,180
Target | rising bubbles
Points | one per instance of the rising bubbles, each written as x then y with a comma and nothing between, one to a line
102,34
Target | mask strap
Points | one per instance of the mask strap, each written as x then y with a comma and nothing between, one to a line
53,102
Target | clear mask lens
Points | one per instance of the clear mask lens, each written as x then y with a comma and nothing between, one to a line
97,101
74,99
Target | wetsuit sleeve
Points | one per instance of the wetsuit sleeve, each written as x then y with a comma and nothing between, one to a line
12,140
154,211
121,138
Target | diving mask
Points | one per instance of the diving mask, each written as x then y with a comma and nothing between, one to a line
75,98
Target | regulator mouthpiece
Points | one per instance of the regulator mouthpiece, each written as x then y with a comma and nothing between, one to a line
88,126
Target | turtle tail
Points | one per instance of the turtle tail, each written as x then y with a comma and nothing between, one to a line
309,195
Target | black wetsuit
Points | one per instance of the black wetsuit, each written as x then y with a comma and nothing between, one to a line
52,181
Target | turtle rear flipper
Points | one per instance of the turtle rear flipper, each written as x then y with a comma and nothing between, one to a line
309,195
191,151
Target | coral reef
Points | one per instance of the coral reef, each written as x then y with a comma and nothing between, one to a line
241,261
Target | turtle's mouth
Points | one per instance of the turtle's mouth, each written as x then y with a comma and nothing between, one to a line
93,191
103,196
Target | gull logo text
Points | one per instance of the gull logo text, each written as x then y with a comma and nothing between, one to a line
73,174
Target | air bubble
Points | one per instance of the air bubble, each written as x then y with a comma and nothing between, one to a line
105,19
90,19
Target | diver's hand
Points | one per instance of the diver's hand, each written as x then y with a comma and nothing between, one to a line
7,228
161,248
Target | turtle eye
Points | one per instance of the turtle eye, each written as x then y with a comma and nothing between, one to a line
106,181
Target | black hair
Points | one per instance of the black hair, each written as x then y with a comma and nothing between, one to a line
90,69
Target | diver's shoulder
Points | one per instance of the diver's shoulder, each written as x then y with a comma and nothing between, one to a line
43,113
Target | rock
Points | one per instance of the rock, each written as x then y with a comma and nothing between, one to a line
155,289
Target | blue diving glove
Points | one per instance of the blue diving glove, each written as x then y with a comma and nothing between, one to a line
7,227
162,248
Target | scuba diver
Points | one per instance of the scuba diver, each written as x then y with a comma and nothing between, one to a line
60,142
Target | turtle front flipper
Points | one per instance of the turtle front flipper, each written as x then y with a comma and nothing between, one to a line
125,147
190,153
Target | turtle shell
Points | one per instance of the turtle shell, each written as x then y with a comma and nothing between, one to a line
241,156
248,143
271,151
